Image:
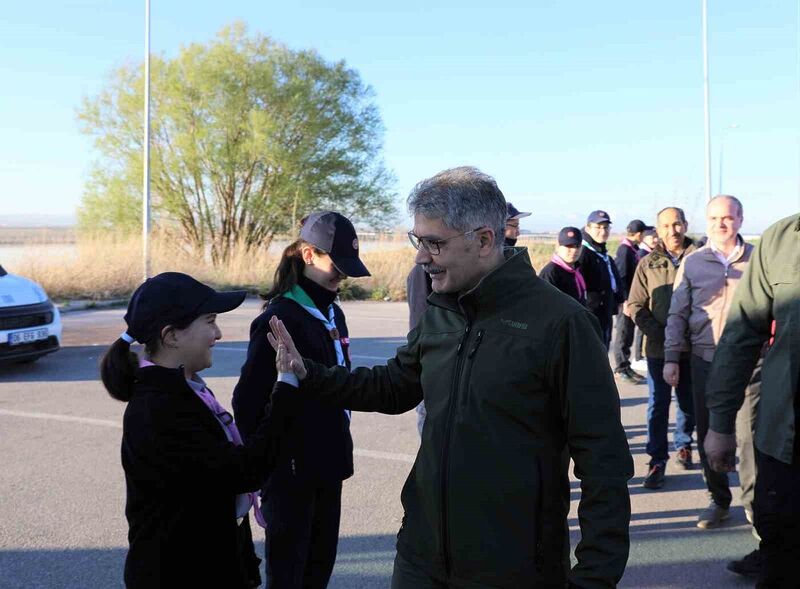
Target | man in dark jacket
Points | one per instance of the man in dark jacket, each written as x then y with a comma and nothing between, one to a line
418,289
648,304
603,286
563,271
627,259
516,381
648,243
766,302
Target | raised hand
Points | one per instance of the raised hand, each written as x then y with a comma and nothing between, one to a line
287,357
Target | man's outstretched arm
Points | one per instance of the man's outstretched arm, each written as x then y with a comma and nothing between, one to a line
393,388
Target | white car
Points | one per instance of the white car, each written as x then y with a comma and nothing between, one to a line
30,324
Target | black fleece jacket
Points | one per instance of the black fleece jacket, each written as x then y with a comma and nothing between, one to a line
320,448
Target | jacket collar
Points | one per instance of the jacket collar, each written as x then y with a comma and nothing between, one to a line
660,251
495,290
166,379
597,247
708,250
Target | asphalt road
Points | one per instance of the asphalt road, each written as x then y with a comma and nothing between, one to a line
62,493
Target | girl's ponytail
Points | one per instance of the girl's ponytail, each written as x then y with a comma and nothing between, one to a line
289,270
118,369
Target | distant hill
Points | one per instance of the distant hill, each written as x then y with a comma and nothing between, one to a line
37,220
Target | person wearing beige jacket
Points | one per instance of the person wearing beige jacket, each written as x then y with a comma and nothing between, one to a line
704,288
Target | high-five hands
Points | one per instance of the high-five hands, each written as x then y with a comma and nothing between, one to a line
287,358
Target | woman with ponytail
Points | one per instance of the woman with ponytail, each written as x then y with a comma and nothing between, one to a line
190,478
301,499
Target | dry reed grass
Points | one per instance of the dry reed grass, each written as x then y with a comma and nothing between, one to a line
103,268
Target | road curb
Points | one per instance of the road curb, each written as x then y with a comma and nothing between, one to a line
72,306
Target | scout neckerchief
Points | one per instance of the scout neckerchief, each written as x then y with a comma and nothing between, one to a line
607,260
299,296
628,243
580,283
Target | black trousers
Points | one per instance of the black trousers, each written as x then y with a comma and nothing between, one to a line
777,513
623,340
716,482
302,533
606,320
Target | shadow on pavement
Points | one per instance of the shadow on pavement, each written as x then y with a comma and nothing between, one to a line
705,574
76,363
363,562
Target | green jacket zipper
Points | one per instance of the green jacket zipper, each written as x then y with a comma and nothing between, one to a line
446,448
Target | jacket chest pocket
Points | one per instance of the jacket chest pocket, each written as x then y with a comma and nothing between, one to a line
785,282
503,373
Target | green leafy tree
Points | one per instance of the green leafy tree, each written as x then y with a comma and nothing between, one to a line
247,137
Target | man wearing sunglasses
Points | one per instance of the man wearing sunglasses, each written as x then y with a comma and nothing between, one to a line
516,382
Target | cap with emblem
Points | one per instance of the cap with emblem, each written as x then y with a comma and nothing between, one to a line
570,237
335,235
513,213
598,217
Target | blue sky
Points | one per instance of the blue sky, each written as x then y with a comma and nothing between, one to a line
572,106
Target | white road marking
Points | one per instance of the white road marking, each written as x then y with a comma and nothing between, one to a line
354,356
57,417
394,456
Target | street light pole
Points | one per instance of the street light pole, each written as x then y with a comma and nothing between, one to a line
146,154
722,153
706,101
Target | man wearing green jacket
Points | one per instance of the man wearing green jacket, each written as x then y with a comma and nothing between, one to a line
516,381
768,297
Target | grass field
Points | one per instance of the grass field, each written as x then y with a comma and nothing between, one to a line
101,269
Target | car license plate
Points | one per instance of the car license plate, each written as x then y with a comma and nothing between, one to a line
26,337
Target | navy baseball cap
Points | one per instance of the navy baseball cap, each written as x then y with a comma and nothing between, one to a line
648,231
598,217
335,235
636,226
172,297
570,237
513,213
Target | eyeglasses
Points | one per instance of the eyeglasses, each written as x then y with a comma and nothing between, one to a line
434,246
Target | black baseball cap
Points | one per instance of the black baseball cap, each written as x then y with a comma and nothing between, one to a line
170,298
513,213
599,217
649,230
636,226
335,235
570,237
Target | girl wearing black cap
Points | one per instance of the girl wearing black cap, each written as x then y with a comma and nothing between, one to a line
301,500
563,271
189,476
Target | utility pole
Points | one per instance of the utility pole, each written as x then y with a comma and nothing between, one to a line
706,101
146,154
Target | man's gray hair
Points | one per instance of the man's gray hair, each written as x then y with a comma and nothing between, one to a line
464,199
731,198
